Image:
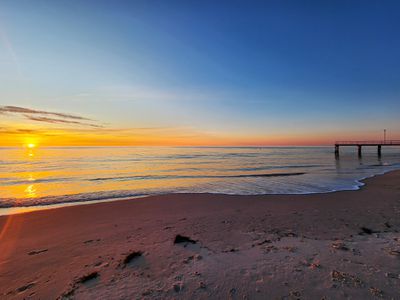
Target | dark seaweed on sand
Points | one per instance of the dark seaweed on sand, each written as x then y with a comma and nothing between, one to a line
365,230
183,239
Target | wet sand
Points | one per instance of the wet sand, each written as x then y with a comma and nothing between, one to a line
203,246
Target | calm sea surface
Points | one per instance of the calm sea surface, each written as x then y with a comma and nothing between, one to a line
60,175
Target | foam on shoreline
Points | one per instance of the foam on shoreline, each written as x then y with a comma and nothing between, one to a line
83,199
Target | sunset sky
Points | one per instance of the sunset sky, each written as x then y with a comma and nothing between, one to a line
198,72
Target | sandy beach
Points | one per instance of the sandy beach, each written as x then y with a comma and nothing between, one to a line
205,246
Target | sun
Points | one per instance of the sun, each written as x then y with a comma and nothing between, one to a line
31,145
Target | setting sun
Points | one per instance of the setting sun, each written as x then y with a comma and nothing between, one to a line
31,145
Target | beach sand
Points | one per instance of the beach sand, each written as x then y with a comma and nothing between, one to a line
203,246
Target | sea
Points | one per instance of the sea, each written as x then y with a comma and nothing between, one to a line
48,176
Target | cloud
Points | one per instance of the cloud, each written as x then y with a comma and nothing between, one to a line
47,116
24,132
23,110
58,121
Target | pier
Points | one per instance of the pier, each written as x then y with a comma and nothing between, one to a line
360,144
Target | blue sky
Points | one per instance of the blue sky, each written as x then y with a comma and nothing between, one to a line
234,68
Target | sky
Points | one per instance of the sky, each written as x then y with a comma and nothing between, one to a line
208,73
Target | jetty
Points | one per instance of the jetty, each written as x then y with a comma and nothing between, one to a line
360,144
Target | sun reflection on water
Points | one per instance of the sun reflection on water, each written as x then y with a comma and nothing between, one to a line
30,191
30,152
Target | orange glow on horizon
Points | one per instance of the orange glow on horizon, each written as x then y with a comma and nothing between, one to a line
169,140
33,137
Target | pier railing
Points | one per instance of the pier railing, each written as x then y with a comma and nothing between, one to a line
372,143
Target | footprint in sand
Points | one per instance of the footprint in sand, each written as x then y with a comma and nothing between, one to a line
26,287
91,241
35,252
133,258
86,279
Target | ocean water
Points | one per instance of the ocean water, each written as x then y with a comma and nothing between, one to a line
42,176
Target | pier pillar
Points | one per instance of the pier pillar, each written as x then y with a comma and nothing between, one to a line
379,150
359,150
336,150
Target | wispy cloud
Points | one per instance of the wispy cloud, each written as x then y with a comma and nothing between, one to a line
23,110
58,121
48,116
18,131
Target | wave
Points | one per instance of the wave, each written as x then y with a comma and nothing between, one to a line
74,198
8,181
276,167
158,177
